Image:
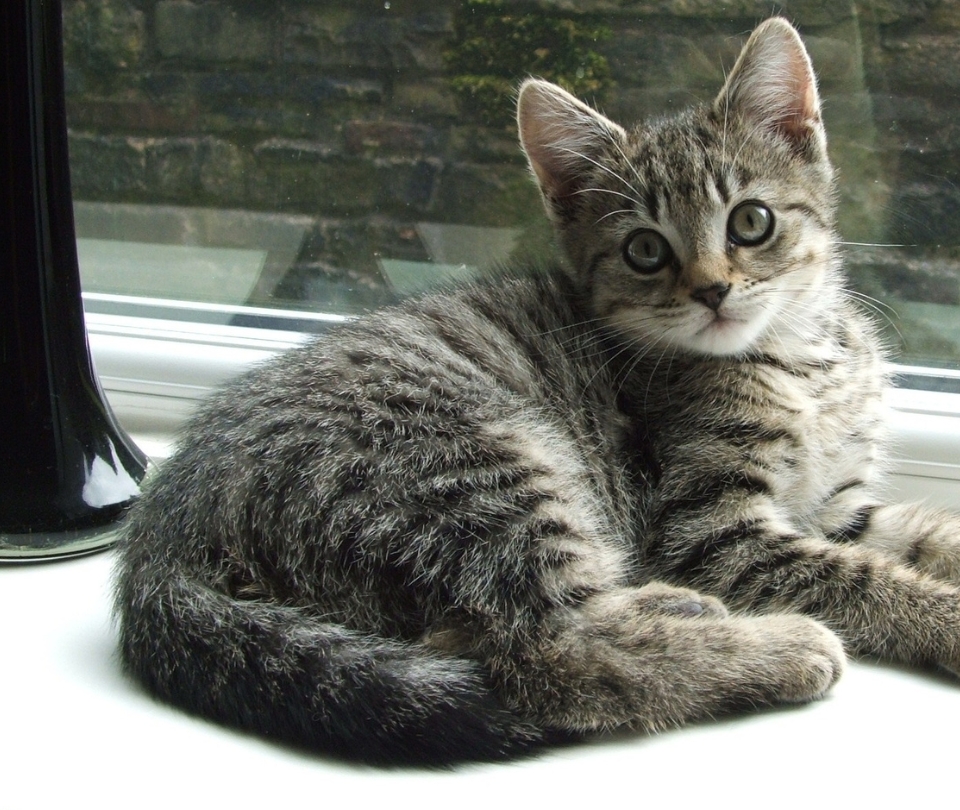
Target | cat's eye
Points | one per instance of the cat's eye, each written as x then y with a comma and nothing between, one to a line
647,251
750,224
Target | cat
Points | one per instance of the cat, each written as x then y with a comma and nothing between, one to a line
632,490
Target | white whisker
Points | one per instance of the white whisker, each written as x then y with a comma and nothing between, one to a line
875,244
604,168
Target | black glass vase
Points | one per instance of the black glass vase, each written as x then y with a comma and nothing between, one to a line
67,469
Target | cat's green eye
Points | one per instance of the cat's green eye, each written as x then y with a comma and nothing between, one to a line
647,251
750,224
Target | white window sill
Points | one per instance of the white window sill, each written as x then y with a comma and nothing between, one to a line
926,432
156,370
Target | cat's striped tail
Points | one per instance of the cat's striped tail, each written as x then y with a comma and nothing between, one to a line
282,673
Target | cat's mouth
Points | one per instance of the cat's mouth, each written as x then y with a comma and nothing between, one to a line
724,334
723,321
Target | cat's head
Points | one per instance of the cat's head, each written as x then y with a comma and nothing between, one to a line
709,232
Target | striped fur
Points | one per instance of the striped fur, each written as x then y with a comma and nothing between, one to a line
565,500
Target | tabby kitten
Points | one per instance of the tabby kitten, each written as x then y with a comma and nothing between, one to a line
460,527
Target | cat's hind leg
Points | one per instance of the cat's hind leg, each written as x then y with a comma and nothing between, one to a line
917,535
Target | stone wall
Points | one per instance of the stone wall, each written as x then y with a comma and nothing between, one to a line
346,113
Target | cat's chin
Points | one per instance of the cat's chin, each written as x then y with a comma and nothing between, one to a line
723,337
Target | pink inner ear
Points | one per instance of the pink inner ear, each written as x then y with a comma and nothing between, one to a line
796,119
545,152
555,169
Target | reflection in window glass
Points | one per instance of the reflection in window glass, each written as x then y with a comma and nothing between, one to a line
332,156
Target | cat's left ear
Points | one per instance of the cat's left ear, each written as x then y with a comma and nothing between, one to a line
563,138
773,86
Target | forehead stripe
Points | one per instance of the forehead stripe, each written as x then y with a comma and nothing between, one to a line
721,184
652,204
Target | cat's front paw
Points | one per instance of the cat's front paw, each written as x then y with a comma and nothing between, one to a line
800,657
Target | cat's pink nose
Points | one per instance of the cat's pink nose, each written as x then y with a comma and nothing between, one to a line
711,296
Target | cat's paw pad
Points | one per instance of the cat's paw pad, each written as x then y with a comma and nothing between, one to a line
668,600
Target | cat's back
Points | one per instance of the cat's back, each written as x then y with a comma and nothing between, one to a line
455,352
307,463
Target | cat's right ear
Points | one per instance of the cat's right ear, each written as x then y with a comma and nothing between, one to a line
563,140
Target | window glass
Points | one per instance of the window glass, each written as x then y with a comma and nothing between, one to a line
332,156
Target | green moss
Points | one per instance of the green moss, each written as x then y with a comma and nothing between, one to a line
103,36
495,45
